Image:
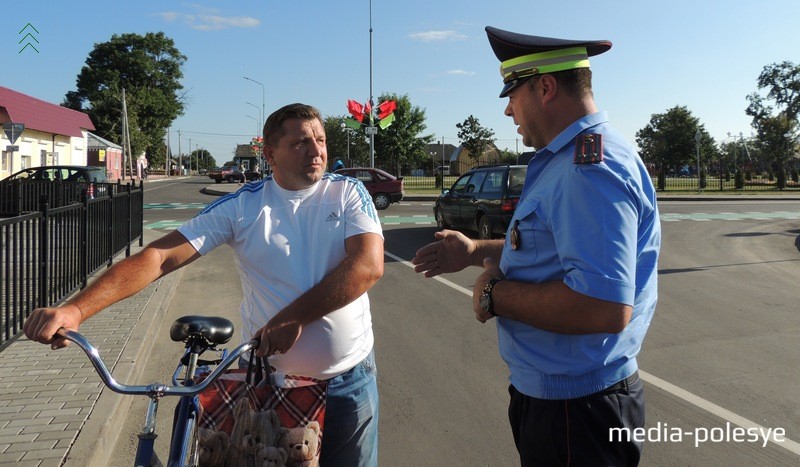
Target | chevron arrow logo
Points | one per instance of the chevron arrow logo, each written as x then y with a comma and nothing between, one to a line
28,37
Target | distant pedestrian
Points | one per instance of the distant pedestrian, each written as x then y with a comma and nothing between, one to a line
241,170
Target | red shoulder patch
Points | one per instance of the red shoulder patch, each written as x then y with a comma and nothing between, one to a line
588,149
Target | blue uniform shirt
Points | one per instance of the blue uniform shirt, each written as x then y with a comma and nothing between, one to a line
594,226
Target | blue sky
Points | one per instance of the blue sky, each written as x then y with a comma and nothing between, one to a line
705,55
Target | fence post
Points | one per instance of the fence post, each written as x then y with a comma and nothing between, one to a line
84,240
44,256
128,221
141,212
110,225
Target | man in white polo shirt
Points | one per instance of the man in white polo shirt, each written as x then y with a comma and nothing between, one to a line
308,245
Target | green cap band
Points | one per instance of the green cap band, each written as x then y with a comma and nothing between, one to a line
544,62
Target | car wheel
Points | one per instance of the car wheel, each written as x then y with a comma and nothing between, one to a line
218,180
440,222
382,201
484,228
230,179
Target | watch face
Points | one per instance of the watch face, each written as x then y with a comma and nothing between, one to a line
485,301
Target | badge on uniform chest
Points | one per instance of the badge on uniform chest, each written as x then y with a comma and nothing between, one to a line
515,239
588,149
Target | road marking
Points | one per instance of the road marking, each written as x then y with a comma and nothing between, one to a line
175,206
164,225
714,409
416,219
697,401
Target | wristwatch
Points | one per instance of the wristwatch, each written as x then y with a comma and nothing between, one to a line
486,302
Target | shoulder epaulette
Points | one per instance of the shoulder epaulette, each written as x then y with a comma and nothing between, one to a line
588,149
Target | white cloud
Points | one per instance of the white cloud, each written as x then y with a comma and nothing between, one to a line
215,22
430,36
459,72
210,22
169,16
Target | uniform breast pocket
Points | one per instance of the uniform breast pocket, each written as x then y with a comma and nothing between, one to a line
522,237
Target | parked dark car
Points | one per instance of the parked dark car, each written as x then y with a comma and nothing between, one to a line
482,200
67,173
384,187
63,184
82,174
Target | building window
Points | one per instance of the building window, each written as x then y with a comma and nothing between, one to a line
26,162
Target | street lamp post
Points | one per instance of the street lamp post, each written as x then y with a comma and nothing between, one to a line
263,115
260,116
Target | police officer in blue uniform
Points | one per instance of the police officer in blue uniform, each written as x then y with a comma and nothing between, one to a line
573,286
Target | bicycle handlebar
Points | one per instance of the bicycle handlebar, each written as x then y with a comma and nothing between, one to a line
155,389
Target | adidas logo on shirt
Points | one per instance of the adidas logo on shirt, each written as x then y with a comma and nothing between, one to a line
332,217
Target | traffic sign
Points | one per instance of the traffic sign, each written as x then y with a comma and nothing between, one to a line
12,148
13,130
371,130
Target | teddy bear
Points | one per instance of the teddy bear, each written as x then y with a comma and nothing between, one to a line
270,456
243,447
268,427
212,446
301,445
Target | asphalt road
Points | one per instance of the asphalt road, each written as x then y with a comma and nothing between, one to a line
723,350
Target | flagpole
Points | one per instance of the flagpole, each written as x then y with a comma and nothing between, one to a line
371,103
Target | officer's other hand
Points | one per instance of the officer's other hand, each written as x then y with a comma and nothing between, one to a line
490,270
451,253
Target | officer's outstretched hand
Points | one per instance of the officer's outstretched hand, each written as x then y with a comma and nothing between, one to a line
451,253
42,324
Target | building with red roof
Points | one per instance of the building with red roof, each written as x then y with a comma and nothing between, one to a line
53,135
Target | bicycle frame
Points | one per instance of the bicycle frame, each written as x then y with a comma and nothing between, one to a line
186,411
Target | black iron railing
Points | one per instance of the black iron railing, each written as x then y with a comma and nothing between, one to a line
47,255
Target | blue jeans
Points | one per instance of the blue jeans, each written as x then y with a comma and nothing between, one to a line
350,437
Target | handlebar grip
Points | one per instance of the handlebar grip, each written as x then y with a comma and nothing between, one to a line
156,389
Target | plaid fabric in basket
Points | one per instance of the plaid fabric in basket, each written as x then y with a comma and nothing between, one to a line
299,402
241,423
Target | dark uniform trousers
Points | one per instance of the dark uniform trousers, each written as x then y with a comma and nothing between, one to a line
578,431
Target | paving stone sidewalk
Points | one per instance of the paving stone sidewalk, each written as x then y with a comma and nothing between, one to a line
50,398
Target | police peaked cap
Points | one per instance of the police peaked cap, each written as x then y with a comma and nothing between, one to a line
522,56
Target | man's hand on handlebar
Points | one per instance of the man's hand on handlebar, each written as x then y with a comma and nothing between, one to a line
42,324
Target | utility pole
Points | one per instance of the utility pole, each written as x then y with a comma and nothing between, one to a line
180,155
371,129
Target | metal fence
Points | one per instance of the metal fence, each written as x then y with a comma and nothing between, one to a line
47,255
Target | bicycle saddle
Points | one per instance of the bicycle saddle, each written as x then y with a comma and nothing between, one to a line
214,329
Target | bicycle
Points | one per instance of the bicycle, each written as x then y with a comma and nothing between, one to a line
199,334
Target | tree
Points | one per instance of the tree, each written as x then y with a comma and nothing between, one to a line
775,114
202,158
149,69
474,137
401,146
337,138
668,141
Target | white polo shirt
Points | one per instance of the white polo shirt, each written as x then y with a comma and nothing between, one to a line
284,243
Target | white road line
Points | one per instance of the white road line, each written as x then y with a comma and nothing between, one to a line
697,401
713,408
